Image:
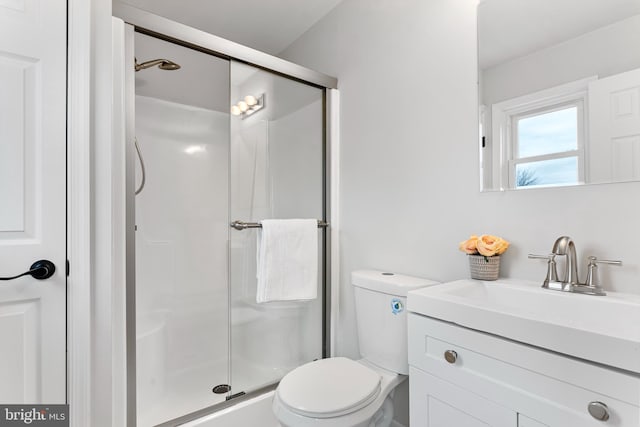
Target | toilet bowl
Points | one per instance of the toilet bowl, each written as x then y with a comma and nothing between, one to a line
340,392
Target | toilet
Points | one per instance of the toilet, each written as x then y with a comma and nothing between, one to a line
340,392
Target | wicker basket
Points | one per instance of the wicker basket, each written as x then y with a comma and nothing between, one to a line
484,268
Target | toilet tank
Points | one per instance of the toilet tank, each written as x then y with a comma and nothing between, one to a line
380,300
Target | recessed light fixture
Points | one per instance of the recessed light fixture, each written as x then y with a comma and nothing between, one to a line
247,106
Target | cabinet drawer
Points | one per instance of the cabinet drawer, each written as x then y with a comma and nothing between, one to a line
557,389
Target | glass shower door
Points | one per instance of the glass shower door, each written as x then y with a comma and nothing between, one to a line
201,337
182,208
277,171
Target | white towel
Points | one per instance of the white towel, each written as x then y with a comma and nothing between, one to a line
287,260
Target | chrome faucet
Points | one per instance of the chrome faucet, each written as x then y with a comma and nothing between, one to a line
565,246
570,283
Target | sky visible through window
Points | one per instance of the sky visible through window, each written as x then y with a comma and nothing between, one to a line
548,172
548,133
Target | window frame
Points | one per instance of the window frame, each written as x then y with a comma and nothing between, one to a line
505,116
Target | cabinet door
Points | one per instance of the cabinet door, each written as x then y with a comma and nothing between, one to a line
437,403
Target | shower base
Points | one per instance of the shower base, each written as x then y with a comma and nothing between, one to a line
191,390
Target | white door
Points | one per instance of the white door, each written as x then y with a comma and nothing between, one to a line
32,199
614,128
437,403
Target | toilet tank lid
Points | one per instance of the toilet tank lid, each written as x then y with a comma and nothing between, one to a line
388,283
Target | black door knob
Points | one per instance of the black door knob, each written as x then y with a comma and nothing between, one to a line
40,270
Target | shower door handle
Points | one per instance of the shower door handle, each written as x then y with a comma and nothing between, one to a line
40,270
241,225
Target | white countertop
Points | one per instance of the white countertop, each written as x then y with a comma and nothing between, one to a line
602,329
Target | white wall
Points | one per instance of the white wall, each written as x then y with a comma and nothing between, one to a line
409,165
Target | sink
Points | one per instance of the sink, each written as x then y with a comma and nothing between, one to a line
604,330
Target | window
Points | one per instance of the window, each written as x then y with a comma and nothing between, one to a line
541,138
547,147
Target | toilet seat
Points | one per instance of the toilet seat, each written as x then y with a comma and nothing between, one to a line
329,388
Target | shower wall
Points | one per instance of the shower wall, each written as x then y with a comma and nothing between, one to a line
181,217
181,251
295,161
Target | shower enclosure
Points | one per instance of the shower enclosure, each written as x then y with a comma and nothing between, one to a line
215,138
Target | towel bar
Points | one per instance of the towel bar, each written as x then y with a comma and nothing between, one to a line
241,225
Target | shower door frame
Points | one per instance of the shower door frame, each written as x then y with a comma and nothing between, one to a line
165,29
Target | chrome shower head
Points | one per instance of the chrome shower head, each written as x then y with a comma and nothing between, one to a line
163,64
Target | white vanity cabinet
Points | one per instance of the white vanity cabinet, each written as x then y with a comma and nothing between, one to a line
485,380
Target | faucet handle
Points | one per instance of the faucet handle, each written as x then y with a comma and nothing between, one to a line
592,273
535,256
552,272
594,260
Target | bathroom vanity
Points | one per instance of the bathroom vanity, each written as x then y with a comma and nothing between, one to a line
511,354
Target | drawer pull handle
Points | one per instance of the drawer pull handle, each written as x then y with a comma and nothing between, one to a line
599,411
450,356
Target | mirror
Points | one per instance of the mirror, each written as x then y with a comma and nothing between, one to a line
559,92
